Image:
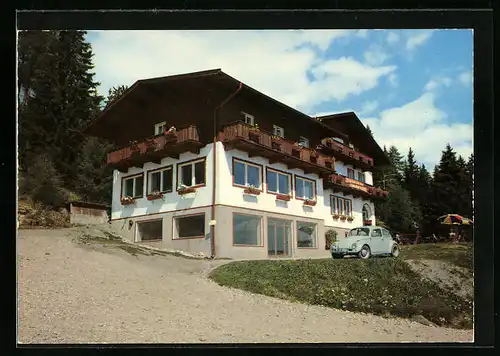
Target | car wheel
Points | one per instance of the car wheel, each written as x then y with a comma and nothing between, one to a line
336,255
395,250
365,252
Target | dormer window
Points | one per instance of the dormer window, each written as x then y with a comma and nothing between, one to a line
278,131
160,128
249,119
303,141
338,139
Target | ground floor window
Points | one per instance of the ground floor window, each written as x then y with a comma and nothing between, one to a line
150,230
247,230
306,235
190,226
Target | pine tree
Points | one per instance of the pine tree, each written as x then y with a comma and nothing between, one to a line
411,175
62,96
114,93
369,130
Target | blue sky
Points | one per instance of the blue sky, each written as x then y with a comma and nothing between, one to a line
413,87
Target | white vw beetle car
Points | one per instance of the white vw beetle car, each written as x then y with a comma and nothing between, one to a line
365,241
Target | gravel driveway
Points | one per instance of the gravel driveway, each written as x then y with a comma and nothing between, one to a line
74,293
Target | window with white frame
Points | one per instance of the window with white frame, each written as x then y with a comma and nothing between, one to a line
361,176
350,173
133,186
247,174
303,141
160,128
278,182
278,131
341,206
191,173
305,188
249,119
160,180
247,230
306,235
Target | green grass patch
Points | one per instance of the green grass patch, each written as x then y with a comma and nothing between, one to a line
382,286
457,254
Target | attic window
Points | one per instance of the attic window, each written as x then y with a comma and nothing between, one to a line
338,139
249,119
160,128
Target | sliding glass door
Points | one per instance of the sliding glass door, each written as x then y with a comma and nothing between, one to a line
279,237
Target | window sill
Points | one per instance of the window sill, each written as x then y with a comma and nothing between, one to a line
238,245
188,238
307,248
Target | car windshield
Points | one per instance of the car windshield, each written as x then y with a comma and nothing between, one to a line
360,231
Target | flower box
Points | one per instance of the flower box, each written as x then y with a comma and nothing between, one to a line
310,202
283,197
335,216
251,190
343,217
154,196
127,200
186,190
350,218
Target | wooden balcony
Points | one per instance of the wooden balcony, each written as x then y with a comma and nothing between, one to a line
346,154
261,143
340,183
155,148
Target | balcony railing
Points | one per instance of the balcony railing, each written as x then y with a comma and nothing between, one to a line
258,142
338,182
346,154
155,148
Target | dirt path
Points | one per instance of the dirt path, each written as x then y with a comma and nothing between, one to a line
74,293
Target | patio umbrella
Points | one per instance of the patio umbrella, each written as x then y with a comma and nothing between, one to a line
454,219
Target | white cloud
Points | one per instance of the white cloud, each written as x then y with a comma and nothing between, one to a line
274,62
368,107
393,80
465,78
420,124
418,39
375,55
438,82
362,33
392,38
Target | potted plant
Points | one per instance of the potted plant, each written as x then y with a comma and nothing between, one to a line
343,217
284,197
127,200
350,218
154,196
330,237
251,189
367,222
184,189
335,216
171,133
310,202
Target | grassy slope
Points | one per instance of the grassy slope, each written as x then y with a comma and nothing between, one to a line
384,286
458,254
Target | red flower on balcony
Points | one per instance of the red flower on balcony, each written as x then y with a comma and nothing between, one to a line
251,190
186,190
127,200
310,202
154,196
283,197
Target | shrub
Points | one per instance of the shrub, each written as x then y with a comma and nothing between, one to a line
42,182
330,237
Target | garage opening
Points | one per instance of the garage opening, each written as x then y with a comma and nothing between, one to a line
150,230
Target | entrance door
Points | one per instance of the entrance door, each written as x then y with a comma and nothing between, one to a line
279,236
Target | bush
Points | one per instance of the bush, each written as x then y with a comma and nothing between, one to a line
42,182
330,237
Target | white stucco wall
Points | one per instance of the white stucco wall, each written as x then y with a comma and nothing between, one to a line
230,195
227,194
171,201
